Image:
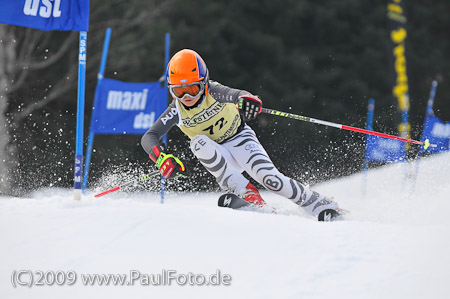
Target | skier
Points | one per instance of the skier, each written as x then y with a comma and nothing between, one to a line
214,117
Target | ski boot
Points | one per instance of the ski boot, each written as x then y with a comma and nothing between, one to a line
249,197
251,194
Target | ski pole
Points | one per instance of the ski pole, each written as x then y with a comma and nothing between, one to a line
425,144
142,178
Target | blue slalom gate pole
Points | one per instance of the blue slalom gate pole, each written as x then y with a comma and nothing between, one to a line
369,126
404,132
166,62
80,114
431,99
100,76
428,113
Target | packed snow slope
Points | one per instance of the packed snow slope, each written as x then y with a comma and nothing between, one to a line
394,244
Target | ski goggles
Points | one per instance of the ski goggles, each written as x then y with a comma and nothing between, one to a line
190,90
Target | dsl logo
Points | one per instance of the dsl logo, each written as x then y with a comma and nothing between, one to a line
46,9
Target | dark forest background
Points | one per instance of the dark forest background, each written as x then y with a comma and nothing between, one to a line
322,59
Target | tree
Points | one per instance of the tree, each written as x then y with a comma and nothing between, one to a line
7,52
37,68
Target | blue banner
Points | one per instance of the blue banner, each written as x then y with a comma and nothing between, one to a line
127,108
438,132
384,150
46,14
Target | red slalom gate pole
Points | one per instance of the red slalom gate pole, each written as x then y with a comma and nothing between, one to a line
142,178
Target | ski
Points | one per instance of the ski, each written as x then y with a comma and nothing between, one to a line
233,201
332,215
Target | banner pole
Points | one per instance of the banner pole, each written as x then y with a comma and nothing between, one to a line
80,114
166,95
90,143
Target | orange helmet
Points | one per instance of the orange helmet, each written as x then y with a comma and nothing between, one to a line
184,72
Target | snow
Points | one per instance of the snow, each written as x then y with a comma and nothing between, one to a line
394,244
